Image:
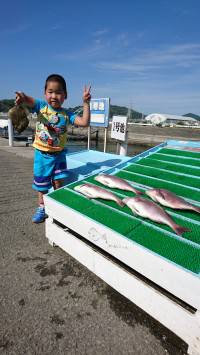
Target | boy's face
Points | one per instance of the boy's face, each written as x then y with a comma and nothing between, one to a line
54,94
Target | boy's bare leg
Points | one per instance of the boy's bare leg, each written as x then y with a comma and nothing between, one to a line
58,183
40,197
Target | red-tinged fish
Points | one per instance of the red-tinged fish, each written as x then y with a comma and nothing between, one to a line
115,182
192,149
149,209
169,199
93,191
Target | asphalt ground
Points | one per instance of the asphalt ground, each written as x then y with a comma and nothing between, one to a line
50,304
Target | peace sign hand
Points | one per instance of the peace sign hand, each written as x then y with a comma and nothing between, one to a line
86,94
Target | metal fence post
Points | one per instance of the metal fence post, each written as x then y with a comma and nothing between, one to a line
10,132
123,148
89,137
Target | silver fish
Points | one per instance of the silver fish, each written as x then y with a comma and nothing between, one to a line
169,199
149,209
116,183
92,191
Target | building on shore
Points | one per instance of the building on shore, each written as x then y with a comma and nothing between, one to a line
171,120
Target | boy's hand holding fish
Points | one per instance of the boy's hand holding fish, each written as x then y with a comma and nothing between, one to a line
21,98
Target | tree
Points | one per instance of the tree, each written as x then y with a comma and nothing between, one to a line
5,105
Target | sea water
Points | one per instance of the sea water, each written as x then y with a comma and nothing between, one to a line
133,149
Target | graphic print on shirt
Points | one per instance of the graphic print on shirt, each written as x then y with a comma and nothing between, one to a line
51,127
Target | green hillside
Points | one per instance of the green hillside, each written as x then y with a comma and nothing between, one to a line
115,110
192,115
118,111
5,105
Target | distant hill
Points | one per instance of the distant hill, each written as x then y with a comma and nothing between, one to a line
5,105
119,111
123,111
192,115
115,110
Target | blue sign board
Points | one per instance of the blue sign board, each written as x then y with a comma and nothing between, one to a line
99,112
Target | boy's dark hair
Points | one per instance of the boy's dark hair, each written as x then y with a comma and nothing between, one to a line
58,78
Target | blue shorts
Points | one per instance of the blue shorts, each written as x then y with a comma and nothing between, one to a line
47,168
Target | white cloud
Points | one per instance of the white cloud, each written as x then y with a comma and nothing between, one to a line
150,96
93,50
101,32
164,79
184,56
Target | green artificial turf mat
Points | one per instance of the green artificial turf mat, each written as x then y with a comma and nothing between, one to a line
180,152
166,245
176,159
165,175
180,253
169,166
185,250
193,235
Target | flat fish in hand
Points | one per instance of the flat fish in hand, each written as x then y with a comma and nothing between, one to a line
116,183
169,199
18,115
149,209
92,191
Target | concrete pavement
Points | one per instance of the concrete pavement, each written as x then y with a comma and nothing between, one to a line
49,303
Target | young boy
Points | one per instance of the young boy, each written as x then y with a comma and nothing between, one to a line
50,166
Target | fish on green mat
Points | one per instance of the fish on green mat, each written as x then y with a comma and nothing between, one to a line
93,191
149,209
169,199
116,183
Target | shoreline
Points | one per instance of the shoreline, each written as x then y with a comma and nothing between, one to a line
137,134
144,135
140,138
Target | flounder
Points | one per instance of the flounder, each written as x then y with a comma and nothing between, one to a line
18,115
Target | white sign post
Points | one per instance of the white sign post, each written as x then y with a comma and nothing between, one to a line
119,132
99,112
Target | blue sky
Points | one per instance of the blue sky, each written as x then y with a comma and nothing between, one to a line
144,54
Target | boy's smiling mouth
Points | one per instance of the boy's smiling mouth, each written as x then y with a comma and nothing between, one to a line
55,102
